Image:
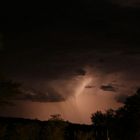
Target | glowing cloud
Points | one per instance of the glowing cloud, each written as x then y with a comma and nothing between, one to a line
81,87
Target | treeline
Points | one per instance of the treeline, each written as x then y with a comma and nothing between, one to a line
121,124
24,129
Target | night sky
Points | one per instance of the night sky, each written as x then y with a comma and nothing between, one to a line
73,59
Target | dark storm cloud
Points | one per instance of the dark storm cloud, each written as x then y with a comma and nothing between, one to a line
44,98
40,56
81,72
127,3
8,91
33,95
108,88
7,103
34,67
89,86
50,96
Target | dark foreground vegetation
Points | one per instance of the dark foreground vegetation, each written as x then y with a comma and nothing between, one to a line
24,129
122,124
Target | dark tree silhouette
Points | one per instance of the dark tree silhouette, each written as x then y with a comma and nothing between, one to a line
131,116
122,124
98,119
